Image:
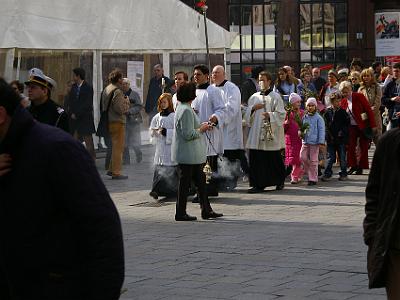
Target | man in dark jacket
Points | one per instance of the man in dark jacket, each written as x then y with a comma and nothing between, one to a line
42,107
60,232
250,86
158,84
381,223
391,97
81,110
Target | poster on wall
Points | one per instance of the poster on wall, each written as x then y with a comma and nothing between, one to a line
135,73
387,37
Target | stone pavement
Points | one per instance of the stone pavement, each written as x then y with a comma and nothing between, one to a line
299,243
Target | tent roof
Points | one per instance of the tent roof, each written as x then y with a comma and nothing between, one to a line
106,25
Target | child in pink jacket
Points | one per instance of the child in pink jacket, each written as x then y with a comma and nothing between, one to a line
292,139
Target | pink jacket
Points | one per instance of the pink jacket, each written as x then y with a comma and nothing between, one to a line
292,140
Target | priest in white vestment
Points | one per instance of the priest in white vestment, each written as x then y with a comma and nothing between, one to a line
232,131
265,116
210,107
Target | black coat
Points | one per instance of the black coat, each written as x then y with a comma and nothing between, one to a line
50,113
337,126
247,89
382,206
81,105
60,232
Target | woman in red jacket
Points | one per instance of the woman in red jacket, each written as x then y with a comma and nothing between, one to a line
362,125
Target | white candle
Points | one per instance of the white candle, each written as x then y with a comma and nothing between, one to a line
163,81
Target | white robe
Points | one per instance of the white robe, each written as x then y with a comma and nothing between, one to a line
274,105
209,103
163,144
175,101
233,132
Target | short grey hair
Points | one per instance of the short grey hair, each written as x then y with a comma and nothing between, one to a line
345,85
126,80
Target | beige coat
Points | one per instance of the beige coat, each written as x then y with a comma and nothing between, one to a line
374,96
119,105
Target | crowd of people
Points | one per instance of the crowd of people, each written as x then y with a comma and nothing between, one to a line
268,129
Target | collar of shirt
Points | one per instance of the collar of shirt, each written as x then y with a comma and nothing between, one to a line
203,86
222,83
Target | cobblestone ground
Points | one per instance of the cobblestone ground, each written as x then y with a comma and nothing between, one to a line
299,243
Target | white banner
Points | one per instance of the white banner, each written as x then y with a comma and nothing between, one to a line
135,73
387,38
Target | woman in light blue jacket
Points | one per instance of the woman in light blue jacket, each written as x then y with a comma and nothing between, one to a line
188,150
313,140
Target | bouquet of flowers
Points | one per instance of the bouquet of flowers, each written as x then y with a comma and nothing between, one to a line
303,127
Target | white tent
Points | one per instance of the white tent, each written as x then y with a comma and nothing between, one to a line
106,25
101,26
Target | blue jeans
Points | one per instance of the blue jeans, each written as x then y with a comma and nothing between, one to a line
332,149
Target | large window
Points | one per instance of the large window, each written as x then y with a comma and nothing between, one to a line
254,21
323,32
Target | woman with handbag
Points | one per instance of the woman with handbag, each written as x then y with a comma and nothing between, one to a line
362,126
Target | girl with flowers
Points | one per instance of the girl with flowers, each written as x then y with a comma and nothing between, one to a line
292,127
313,140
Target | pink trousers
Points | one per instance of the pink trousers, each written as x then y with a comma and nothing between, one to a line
297,172
309,157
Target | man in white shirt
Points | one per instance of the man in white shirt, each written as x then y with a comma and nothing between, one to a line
232,129
210,107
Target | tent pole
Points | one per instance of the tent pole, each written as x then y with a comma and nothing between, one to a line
207,46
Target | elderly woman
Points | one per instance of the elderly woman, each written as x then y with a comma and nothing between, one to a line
329,88
133,121
362,126
165,179
373,92
188,150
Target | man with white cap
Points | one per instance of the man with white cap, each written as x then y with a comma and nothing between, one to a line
42,108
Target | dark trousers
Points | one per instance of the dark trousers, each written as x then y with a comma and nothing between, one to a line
212,185
332,149
240,155
187,173
231,168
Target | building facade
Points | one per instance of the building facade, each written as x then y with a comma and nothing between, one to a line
274,33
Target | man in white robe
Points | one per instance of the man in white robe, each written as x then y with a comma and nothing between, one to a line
180,78
210,107
265,117
232,130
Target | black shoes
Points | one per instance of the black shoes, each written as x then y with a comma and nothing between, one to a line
154,195
119,177
312,183
210,215
255,190
185,217
195,199
355,171
109,173
280,187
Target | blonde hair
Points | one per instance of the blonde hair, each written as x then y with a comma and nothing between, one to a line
369,72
